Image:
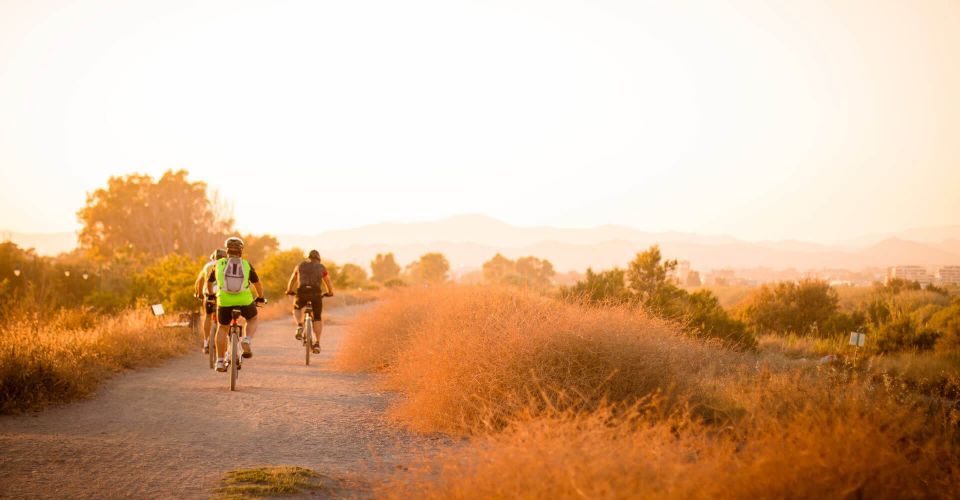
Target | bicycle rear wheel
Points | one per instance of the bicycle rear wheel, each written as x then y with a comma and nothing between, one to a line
212,347
307,339
234,359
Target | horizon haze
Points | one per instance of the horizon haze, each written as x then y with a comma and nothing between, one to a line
811,121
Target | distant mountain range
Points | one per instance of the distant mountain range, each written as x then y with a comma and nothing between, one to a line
470,240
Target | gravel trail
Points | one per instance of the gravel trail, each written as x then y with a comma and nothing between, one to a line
172,431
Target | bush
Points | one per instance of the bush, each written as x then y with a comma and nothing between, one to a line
469,359
787,307
901,334
704,317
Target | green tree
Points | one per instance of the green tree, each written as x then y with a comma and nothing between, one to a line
169,281
648,277
529,272
276,269
498,269
353,276
534,273
430,269
384,268
137,215
256,249
787,307
605,287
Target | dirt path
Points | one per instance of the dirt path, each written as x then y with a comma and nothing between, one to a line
162,432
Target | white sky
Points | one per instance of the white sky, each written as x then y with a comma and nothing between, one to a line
761,119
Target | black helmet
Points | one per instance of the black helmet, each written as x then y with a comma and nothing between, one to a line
234,245
218,254
315,255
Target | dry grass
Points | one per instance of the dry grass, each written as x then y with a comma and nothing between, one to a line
570,402
65,355
802,438
469,359
797,346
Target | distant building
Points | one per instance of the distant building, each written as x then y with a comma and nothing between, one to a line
683,271
949,275
909,273
722,277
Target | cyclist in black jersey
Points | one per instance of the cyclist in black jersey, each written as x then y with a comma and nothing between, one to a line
307,283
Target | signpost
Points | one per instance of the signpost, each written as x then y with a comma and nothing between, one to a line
858,339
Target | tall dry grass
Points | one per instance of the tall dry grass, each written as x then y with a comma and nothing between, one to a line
469,359
802,438
564,401
65,355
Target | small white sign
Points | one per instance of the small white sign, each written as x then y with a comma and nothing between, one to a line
157,309
858,339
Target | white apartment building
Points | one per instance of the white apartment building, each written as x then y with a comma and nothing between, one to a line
949,275
910,273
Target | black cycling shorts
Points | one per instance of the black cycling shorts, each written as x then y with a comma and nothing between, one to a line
224,317
315,297
209,306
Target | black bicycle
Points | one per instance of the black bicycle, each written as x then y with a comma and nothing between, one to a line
308,327
234,359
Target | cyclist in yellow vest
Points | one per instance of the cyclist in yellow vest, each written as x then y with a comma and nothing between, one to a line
233,276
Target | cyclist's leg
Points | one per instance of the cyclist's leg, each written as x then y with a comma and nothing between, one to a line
207,325
317,319
298,315
223,320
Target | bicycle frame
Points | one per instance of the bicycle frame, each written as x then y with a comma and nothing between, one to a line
233,347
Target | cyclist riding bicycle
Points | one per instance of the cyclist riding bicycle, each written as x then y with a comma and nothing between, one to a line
209,305
233,276
307,278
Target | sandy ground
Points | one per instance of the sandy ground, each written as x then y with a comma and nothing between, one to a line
172,431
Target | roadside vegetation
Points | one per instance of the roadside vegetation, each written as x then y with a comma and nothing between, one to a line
273,482
64,354
566,399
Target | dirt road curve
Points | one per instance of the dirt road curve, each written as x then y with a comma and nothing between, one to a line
170,432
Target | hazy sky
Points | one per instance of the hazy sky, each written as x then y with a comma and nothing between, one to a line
762,119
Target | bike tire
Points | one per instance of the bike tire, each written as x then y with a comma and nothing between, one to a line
212,347
234,360
307,339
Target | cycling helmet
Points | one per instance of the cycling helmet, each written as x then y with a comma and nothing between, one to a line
218,254
234,244
314,255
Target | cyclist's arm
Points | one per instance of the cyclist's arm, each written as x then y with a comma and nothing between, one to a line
198,286
294,279
255,281
326,281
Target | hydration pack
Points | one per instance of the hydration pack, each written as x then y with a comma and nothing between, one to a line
233,277
311,274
